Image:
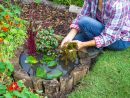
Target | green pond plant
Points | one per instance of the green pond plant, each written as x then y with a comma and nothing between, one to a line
69,52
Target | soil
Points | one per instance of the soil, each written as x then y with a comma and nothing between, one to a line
59,20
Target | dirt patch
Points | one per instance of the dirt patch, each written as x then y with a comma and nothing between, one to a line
58,19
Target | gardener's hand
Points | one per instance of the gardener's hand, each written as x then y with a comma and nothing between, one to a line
80,44
66,39
69,37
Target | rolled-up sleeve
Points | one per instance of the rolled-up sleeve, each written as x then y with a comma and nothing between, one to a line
84,12
113,27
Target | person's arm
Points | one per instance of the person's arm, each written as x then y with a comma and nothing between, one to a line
74,26
111,32
70,36
85,44
85,11
113,27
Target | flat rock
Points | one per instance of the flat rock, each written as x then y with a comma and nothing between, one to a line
66,83
22,75
79,72
74,9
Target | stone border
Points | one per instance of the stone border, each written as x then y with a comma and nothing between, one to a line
56,88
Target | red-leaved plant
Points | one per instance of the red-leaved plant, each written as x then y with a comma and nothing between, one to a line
32,29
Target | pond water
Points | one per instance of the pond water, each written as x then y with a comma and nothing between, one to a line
31,68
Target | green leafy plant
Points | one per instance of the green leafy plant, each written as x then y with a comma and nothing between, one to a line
6,69
16,90
12,35
12,30
55,74
40,72
49,60
69,2
11,89
52,63
31,60
46,40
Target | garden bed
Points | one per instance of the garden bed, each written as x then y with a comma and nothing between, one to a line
57,87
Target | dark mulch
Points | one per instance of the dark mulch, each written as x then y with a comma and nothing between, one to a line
59,20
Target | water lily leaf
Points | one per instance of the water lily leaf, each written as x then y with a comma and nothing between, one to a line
52,64
47,58
40,72
31,60
55,74
49,76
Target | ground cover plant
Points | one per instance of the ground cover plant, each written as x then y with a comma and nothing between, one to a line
12,35
11,89
109,77
12,30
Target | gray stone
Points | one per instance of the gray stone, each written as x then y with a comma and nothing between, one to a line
22,75
27,1
51,86
86,61
38,83
66,83
15,59
74,9
78,73
49,3
82,54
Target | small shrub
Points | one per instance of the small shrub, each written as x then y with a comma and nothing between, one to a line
46,40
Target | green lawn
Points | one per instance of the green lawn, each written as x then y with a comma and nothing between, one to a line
109,77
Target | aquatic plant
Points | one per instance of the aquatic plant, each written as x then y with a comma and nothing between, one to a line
69,52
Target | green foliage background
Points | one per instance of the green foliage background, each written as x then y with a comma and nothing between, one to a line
69,2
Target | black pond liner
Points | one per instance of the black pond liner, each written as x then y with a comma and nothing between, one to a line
31,68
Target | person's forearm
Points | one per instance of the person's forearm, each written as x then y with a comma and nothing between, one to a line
89,43
72,33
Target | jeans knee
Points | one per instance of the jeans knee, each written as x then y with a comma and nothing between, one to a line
83,20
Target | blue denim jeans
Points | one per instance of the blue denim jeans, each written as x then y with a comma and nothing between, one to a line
90,28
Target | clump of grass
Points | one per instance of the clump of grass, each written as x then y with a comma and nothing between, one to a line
109,77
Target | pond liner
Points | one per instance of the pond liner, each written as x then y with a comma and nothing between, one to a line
31,68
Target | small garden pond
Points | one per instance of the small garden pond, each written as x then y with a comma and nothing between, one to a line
46,67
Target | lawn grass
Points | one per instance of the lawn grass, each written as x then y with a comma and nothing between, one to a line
109,77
